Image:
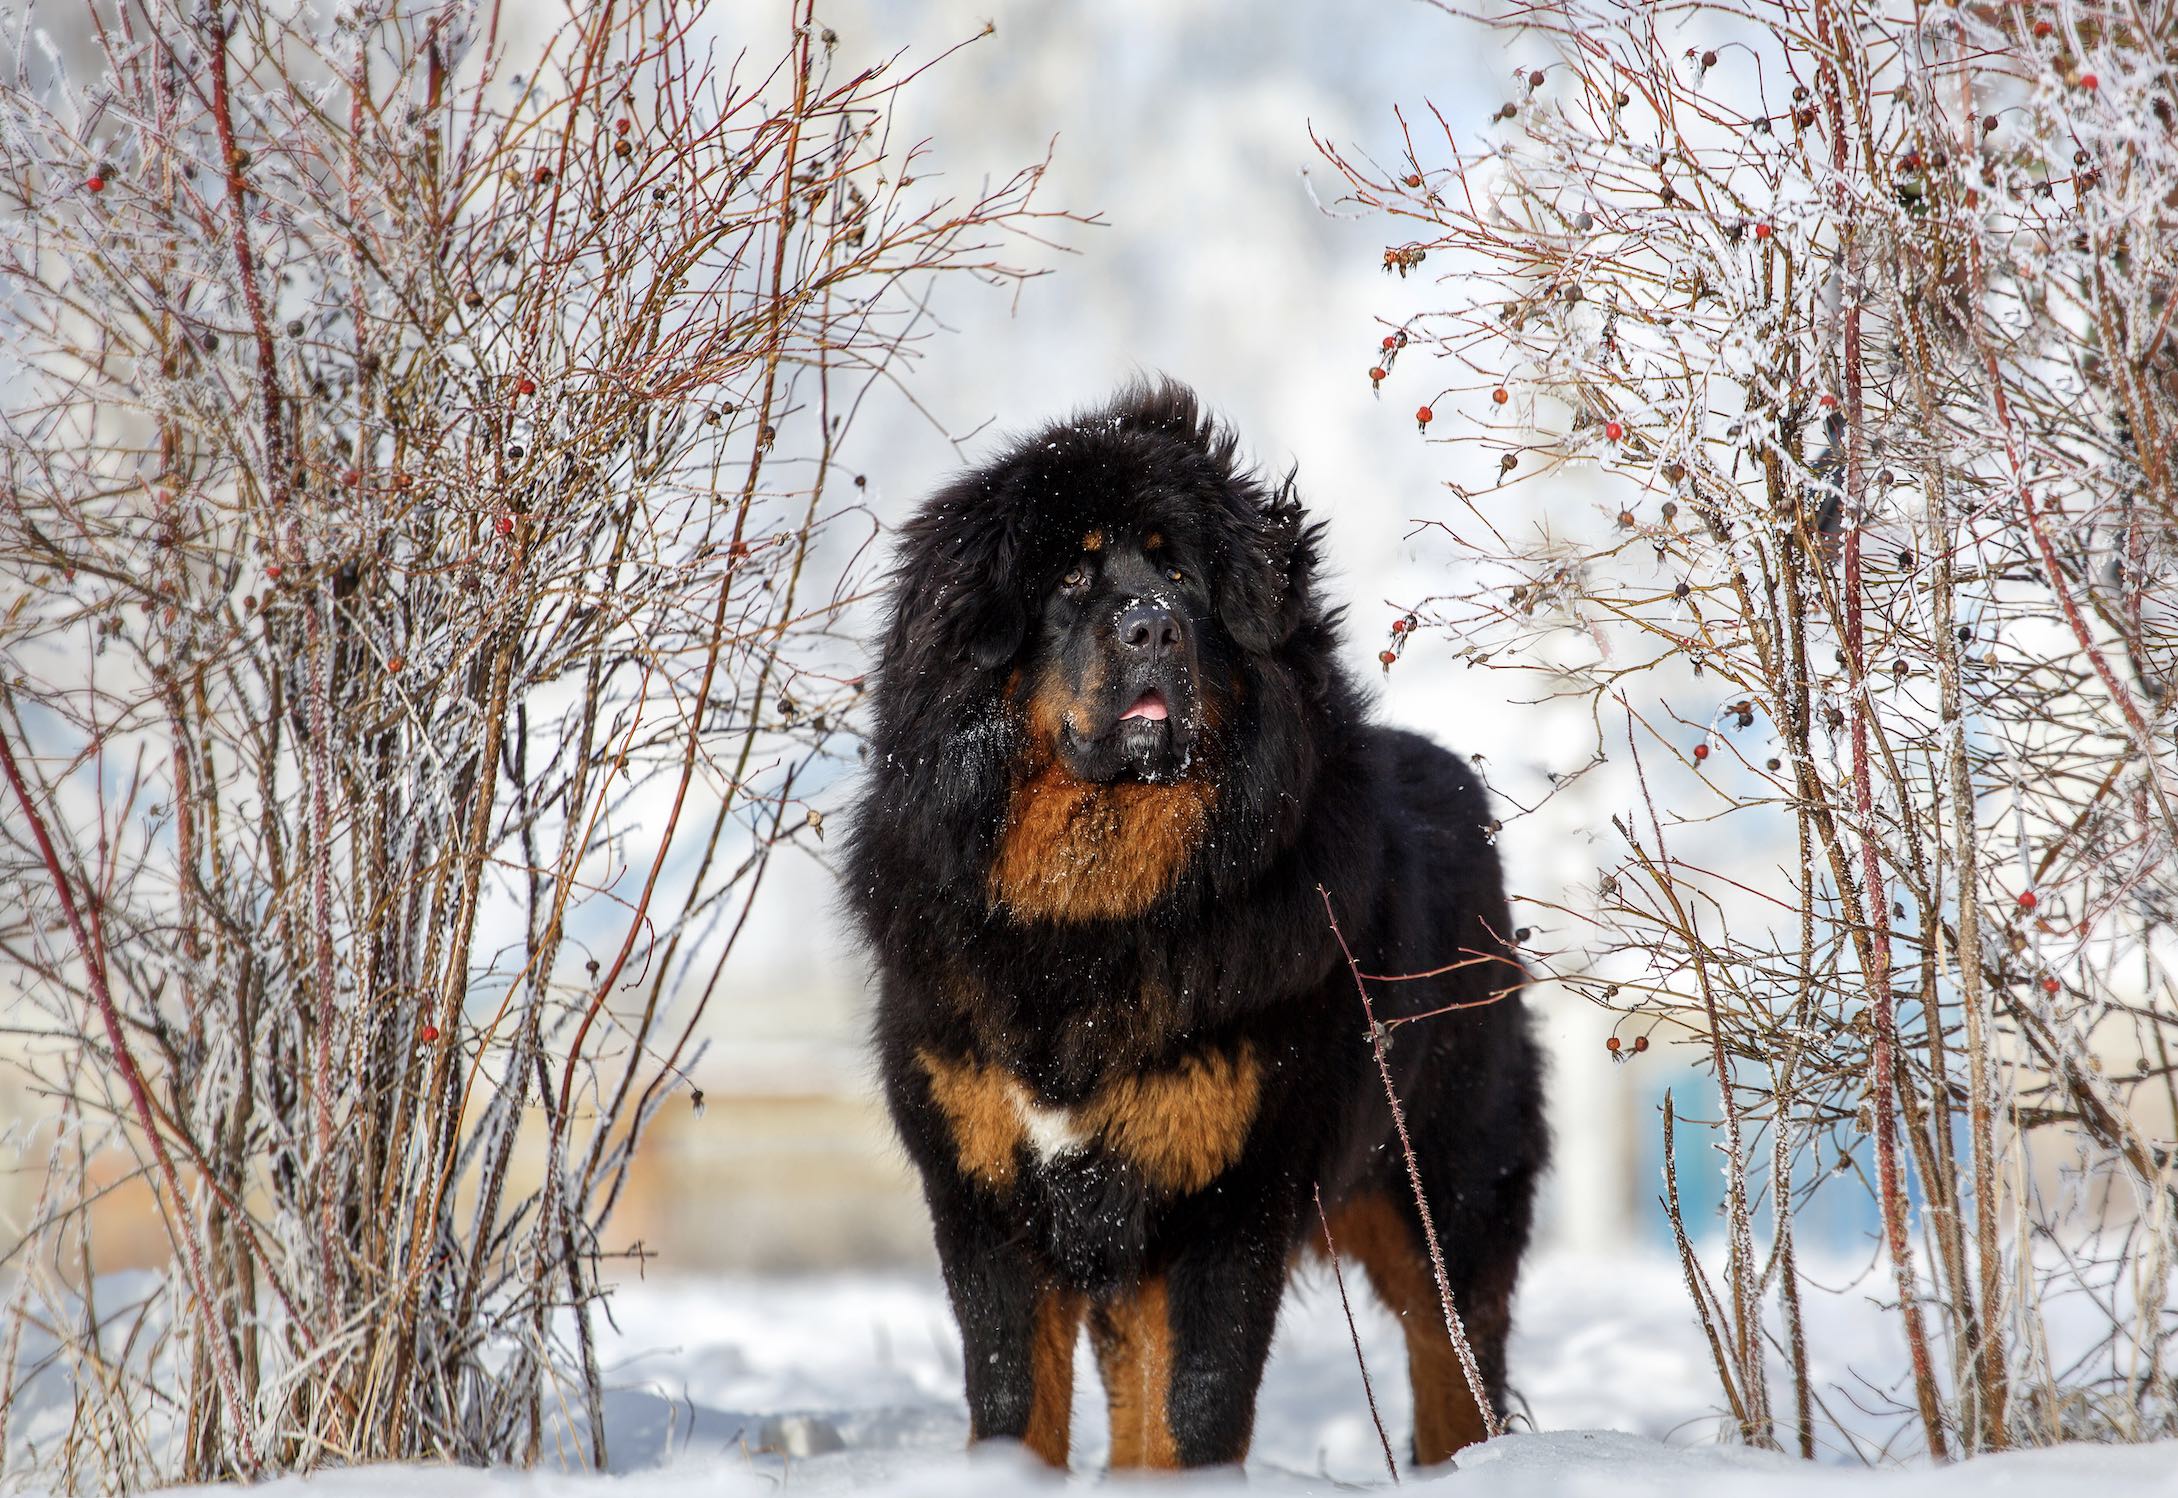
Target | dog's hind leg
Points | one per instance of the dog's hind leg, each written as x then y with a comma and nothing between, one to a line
1382,1230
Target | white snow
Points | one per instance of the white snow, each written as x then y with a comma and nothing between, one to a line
733,1386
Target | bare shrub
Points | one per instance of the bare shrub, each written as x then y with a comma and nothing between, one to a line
415,638
1810,383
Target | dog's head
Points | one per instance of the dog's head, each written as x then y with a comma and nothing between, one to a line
1115,576
1117,655
1108,631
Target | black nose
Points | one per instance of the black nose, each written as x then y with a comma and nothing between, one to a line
1150,629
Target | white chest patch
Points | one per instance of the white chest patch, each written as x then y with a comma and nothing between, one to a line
1051,1132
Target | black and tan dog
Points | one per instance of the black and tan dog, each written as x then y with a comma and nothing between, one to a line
1114,758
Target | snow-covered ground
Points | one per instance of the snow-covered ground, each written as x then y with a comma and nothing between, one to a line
732,1386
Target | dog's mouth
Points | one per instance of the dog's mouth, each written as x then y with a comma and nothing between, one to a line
1151,737
1149,707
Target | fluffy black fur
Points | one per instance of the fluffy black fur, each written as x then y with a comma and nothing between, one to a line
1232,956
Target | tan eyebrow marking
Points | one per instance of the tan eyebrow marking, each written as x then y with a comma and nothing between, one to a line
1153,540
1092,541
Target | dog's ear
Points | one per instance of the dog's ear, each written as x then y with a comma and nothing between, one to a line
1264,588
962,599
991,629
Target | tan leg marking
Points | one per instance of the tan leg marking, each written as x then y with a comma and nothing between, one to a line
1051,1375
1132,1333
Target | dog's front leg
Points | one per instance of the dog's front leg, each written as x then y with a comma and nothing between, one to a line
1182,1352
1017,1333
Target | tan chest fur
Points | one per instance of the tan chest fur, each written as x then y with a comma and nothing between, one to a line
1074,851
1180,1128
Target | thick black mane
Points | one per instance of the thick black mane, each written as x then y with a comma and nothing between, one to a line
977,552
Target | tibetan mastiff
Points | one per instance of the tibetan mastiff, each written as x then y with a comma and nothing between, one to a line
1116,768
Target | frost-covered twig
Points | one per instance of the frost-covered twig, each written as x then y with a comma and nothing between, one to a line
1454,1328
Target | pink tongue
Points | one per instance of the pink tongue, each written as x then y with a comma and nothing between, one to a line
1151,707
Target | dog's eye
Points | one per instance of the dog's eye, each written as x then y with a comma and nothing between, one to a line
1075,578
1177,575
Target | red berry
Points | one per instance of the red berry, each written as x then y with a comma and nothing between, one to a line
1612,1045
1701,752
2043,28
95,182
1641,1043
2027,900
1376,375
2050,985
430,1034
1387,656
505,525
1423,415
402,481
272,570
351,478
1613,430
1390,341
543,175
622,125
1762,231
1412,179
2088,80
1830,403
1501,395
1399,626
525,386
394,664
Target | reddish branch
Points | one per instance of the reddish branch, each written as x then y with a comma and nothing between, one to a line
212,1323
232,166
1875,897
